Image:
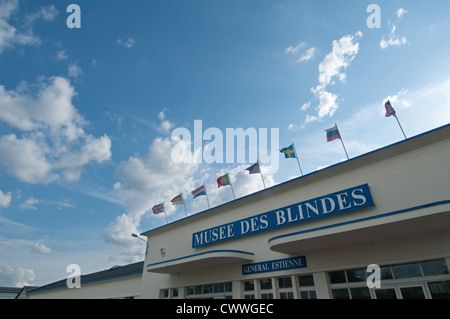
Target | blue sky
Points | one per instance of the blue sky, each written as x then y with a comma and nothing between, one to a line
86,115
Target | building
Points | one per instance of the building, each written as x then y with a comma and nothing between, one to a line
118,282
317,235
9,292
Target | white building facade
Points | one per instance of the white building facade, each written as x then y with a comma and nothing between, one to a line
316,236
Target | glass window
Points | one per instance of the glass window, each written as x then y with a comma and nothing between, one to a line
175,292
267,296
412,293
360,293
439,289
190,290
407,271
207,289
286,295
228,287
308,294
265,283
306,281
165,293
386,273
434,267
340,293
388,293
337,277
219,288
249,285
356,275
285,282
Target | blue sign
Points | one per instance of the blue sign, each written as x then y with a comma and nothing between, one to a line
333,204
274,265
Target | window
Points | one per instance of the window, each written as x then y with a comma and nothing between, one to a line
440,289
417,280
285,288
210,291
307,289
249,289
266,288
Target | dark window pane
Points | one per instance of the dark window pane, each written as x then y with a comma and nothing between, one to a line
284,282
360,293
406,271
306,281
385,294
440,289
356,275
337,277
249,286
386,273
435,267
340,293
266,283
412,293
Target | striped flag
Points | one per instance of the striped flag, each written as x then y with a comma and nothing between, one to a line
333,134
178,200
389,109
201,191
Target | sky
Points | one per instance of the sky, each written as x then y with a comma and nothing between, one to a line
90,99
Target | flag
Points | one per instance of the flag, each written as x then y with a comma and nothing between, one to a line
289,152
158,209
333,134
201,191
178,200
223,181
389,109
254,169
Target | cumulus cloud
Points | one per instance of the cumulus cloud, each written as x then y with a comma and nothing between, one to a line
331,69
13,276
393,39
5,199
41,249
53,140
10,36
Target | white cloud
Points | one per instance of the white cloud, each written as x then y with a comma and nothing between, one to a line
165,125
30,204
308,55
10,35
331,69
343,53
5,199
53,138
401,12
16,276
393,39
45,13
74,71
296,49
126,43
41,249
61,55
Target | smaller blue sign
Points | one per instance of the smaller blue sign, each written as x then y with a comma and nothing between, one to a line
274,265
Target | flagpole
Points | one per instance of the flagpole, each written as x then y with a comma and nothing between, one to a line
231,184
260,172
296,156
207,198
342,141
400,126
165,213
185,210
